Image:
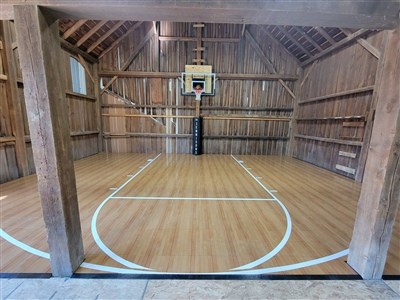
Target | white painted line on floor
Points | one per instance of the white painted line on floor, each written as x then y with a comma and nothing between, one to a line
113,189
183,198
273,191
286,237
96,236
291,267
23,246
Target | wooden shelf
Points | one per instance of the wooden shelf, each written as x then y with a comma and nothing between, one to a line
329,140
332,118
341,94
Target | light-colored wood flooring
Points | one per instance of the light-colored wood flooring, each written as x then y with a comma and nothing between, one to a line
181,225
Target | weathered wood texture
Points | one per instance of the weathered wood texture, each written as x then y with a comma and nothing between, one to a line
380,191
234,97
348,14
324,121
83,114
46,104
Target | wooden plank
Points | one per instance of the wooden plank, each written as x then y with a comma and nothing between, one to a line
267,62
75,50
156,91
353,124
73,28
122,37
290,37
133,55
105,35
378,206
347,154
3,77
51,142
325,35
349,39
345,169
329,140
340,94
98,109
220,76
92,31
335,13
15,108
308,38
366,45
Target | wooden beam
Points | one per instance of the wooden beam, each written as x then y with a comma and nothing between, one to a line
329,140
290,37
117,41
16,117
380,192
277,42
340,94
73,28
46,104
75,50
133,55
325,35
220,76
105,35
336,46
267,62
308,38
366,45
88,34
99,122
332,13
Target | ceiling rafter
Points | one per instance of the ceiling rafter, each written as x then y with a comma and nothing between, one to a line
86,36
308,38
325,35
73,28
369,47
290,37
105,35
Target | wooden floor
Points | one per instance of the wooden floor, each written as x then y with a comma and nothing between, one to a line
195,214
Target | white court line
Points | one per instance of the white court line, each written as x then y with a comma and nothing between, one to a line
96,236
183,198
286,237
291,267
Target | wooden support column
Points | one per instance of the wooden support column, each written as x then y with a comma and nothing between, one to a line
39,52
198,60
98,108
17,123
380,193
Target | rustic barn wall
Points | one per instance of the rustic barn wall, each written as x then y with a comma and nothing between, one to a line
234,99
83,116
330,127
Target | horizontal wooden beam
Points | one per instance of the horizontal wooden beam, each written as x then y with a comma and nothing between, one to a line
82,133
194,39
329,140
332,13
75,50
221,76
190,136
203,107
340,94
81,96
331,118
245,137
350,38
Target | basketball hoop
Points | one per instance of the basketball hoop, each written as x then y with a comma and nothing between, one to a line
198,94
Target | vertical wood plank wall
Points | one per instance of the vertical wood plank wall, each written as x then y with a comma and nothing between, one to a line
82,111
233,97
330,130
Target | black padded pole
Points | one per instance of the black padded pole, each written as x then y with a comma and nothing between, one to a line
197,135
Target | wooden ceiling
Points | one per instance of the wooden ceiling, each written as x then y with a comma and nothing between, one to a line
96,38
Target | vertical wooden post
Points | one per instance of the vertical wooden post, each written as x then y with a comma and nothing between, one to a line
14,102
293,121
98,108
380,193
39,51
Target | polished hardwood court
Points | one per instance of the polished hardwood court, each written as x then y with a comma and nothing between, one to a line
195,214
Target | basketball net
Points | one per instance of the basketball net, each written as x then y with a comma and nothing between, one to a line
198,93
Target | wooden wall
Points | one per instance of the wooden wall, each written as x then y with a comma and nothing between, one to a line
83,113
335,107
224,129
